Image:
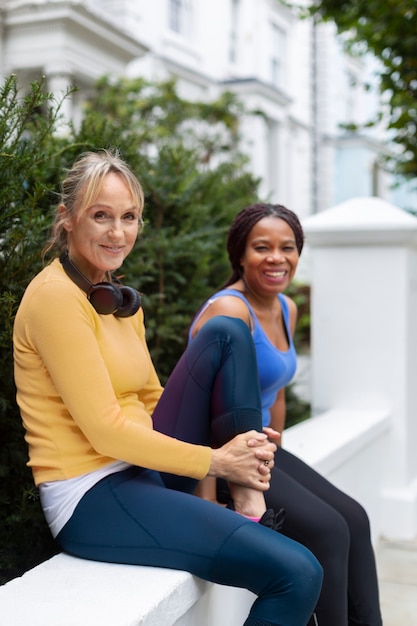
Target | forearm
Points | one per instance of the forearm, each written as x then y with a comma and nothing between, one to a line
206,489
278,413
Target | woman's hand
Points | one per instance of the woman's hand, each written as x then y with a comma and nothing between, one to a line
271,433
245,460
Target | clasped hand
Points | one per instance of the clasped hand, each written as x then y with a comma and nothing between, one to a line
247,459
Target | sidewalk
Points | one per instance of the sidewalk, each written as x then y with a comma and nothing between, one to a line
397,572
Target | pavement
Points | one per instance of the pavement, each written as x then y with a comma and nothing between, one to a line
397,573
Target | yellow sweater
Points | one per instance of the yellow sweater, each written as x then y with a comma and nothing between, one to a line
86,387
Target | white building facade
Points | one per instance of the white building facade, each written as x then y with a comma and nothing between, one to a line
295,74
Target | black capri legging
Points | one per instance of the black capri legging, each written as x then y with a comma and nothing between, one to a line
134,517
336,529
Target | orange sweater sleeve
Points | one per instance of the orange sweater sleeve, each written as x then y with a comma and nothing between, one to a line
86,387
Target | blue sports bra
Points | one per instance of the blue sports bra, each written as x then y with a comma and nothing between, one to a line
275,367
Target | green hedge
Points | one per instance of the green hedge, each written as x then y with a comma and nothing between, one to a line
195,179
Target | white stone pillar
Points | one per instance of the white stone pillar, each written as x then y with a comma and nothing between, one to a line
59,82
364,333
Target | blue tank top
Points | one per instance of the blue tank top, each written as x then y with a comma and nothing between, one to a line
275,367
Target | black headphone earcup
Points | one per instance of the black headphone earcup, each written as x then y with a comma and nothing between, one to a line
130,304
105,298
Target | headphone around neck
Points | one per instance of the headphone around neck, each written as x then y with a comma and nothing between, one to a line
106,298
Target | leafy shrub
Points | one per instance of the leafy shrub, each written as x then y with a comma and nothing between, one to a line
27,155
186,154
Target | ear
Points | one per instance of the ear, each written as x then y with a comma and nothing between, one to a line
66,218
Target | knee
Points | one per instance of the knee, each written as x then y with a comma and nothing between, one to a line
219,338
232,336
330,538
338,530
358,520
226,328
308,577
302,585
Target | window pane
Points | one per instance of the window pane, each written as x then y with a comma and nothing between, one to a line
180,16
277,55
175,15
234,30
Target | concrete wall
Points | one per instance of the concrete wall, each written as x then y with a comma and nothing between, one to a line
363,256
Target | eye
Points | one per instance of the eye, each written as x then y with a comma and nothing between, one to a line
131,217
100,216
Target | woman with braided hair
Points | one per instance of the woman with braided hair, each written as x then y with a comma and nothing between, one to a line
264,245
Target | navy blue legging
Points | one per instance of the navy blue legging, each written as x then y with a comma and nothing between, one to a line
134,517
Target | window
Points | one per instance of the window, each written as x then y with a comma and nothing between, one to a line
180,16
277,55
376,179
234,31
351,98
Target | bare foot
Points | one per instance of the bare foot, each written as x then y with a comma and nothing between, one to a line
249,502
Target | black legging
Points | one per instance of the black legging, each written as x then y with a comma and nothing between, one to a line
132,517
336,529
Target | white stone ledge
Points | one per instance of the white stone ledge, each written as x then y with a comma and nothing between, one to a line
329,440
66,591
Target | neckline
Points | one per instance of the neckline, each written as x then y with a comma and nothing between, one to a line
259,325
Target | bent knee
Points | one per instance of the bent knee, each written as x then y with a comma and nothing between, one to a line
225,326
309,576
327,533
358,520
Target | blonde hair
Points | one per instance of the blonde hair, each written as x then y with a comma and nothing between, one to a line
82,185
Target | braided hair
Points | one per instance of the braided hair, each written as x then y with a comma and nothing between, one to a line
243,223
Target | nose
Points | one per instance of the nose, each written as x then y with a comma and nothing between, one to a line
116,229
276,256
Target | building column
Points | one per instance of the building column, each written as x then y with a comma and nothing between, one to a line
363,262
59,82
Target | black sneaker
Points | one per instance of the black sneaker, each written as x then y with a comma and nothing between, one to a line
273,520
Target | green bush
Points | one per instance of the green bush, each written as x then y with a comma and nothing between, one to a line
195,179
27,154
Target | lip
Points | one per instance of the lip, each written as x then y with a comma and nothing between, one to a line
276,278
112,249
276,274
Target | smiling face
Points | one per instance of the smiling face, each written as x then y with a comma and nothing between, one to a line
271,256
101,237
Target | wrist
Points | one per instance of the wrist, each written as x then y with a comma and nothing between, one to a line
215,464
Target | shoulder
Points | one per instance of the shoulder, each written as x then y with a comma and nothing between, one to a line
51,298
227,304
234,304
51,284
